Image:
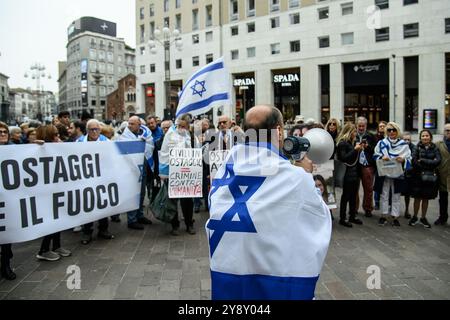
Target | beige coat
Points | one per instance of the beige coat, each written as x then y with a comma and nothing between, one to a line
444,167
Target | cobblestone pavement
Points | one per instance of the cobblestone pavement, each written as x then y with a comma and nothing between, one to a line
151,264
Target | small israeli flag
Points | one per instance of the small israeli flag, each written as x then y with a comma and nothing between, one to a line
208,87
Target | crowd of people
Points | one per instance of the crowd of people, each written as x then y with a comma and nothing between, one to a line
425,166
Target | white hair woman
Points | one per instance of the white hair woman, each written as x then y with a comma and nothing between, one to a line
392,148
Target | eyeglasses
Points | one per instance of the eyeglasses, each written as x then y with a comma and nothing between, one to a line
391,130
333,124
94,130
3,132
224,122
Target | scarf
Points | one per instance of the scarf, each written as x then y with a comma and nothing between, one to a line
144,135
157,134
393,149
85,138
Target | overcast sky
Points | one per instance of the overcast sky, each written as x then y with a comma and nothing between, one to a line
36,31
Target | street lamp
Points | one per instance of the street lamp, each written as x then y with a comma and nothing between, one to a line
98,111
166,38
37,72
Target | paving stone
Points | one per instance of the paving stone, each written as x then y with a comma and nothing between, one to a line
104,292
127,288
147,293
172,275
190,294
114,274
168,295
366,296
170,285
152,278
406,293
22,291
190,281
338,291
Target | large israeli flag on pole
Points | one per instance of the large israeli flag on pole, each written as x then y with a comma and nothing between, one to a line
269,229
208,87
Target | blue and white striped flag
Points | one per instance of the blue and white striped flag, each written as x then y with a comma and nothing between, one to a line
208,87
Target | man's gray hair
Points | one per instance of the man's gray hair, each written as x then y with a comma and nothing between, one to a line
361,119
13,130
91,122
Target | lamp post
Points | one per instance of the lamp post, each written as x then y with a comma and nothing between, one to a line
166,38
98,110
37,72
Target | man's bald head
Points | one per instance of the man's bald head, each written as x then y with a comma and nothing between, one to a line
134,124
224,123
262,119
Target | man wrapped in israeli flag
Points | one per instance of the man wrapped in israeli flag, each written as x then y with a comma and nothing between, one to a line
269,229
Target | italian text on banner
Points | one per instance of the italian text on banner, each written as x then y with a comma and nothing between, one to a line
185,173
58,186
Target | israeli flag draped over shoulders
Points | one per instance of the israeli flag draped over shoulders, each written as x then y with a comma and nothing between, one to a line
269,229
208,87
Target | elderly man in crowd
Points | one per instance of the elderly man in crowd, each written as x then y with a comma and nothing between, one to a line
138,132
366,164
15,135
93,135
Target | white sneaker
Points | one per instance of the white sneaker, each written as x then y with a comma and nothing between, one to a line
63,252
77,229
49,256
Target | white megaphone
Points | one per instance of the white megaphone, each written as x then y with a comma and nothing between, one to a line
316,143
322,145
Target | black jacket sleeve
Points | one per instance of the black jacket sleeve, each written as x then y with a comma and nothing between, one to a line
346,152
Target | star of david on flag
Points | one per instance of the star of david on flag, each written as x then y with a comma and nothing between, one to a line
198,88
242,188
207,88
